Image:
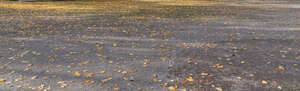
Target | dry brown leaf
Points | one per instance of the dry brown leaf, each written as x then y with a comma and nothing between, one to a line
88,81
204,74
90,75
98,54
84,62
20,78
100,48
107,79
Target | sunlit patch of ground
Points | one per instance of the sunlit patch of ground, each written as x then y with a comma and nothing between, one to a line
141,8
70,6
164,9
185,2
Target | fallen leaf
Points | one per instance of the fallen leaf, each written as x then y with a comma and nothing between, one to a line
172,88
100,48
41,86
19,78
131,54
110,61
219,89
190,79
204,74
90,74
114,44
239,78
281,68
84,62
116,88
2,80
251,75
279,87
295,65
163,58
26,69
24,53
77,74
88,81
102,72
107,79
84,70
98,54
34,77
62,84
154,75
264,82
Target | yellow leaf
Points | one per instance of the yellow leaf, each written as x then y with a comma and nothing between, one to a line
280,67
284,51
204,74
62,84
98,54
131,54
67,55
219,89
107,79
116,88
2,80
279,87
110,61
84,70
77,74
154,75
239,78
41,86
190,79
264,82
251,75
295,65
163,58
114,44
219,66
172,88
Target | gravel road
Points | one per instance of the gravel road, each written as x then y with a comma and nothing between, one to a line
238,46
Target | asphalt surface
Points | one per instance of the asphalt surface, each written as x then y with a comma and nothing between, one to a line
237,48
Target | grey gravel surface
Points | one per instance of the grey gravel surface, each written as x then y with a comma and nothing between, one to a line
237,48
